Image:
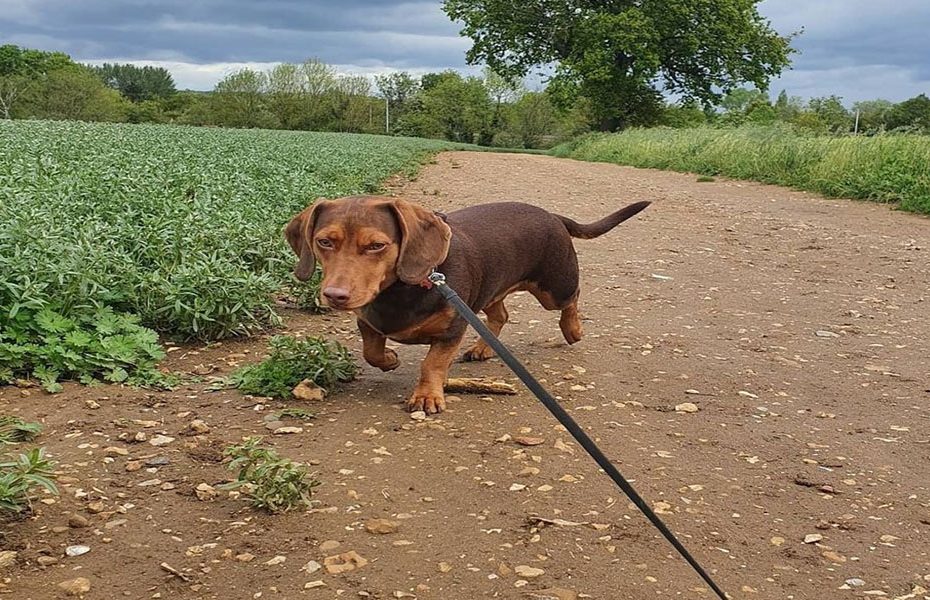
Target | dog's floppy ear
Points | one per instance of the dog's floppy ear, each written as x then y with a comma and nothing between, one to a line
424,241
299,234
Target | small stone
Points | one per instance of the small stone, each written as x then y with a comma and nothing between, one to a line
418,415
47,561
92,404
444,567
161,440
75,587
687,407
288,430
855,582
310,585
198,427
662,508
516,487
835,557
167,486
115,451
95,508
7,558
311,567
205,492
277,560
812,538
329,545
381,526
563,447
827,334
245,557
308,391
529,441
77,550
777,541
889,538
528,572
158,461
78,521
342,563
274,424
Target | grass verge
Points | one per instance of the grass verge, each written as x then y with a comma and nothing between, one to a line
884,168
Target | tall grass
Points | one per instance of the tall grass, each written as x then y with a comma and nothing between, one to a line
886,168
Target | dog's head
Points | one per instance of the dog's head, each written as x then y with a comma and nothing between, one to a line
364,244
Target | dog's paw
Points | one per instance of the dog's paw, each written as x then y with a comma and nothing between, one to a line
428,401
388,362
478,352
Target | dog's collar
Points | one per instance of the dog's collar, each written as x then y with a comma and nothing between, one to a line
426,283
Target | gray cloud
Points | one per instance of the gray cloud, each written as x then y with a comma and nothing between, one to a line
855,48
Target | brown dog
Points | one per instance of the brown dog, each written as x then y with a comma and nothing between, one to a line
376,254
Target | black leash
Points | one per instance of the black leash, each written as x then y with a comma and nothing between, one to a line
439,280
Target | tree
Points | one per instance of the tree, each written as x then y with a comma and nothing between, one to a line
832,113
787,108
532,119
913,113
73,94
398,89
137,83
286,88
451,107
21,69
873,115
238,101
502,90
617,53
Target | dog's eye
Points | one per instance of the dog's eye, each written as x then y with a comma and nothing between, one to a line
324,243
375,247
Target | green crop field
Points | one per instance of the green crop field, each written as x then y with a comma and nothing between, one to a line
110,233
883,168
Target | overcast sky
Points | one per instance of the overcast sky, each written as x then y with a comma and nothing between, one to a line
858,49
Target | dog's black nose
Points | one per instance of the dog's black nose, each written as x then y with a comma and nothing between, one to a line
336,295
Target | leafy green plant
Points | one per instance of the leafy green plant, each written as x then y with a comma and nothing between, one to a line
292,360
14,430
271,482
91,344
178,226
21,476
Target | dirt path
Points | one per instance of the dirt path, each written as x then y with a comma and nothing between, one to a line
800,322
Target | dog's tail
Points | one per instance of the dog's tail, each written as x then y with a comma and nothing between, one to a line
592,230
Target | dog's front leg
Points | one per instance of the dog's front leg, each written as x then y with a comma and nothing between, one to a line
374,350
428,395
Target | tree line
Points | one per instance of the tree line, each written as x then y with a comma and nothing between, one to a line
491,110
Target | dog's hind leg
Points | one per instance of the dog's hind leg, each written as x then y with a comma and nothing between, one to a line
570,322
497,317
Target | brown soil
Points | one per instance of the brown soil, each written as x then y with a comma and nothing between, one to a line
718,288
